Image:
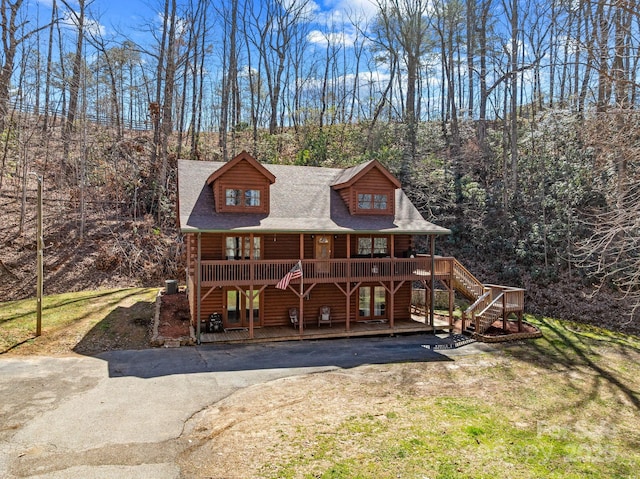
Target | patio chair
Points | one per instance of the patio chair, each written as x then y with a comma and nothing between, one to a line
293,318
324,316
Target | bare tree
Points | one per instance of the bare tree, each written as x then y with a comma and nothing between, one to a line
74,84
229,93
277,25
47,84
14,33
612,251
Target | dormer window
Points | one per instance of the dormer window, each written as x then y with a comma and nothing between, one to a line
252,198
235,197
369,201
373,202
241,185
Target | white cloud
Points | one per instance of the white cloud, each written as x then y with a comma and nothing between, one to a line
352,8
93,27
317,37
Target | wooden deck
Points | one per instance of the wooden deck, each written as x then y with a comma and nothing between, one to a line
270,272
338,330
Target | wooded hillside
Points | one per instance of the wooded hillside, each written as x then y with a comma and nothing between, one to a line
512,123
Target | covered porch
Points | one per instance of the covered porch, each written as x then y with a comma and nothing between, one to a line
416,324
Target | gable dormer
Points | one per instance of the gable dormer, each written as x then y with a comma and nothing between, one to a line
368,189
241,186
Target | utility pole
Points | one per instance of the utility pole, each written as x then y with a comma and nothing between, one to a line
39,266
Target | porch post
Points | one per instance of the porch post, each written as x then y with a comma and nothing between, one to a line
348,319
432,309
301,295
392,304
250,311
198,292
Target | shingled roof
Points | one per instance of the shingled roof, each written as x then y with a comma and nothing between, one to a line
349,175
302,200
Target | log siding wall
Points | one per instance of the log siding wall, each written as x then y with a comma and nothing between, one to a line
276,303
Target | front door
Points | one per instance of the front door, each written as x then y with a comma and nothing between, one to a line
238,308
323,249
372,303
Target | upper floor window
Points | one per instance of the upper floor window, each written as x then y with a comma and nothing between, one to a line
252,198
373,201
379,202
233,197
243,247
373,246
242,198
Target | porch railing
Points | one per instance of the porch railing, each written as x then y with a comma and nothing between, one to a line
261,272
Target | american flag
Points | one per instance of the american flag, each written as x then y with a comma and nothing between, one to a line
295,272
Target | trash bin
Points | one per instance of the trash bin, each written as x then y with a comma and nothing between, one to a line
171,286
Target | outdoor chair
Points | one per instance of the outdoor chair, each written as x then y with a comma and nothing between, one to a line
324,316
293,317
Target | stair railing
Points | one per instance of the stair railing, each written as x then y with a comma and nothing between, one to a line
462,275
486,318
480,304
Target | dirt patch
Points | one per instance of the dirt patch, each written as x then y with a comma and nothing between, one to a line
126,327
174,317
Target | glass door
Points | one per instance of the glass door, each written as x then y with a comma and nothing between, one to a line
372,302
238,308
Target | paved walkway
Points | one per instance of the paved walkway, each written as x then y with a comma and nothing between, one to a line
122,414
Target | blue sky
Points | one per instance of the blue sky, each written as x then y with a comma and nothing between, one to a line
129,15
115,20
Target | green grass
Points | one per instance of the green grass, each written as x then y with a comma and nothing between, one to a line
563,406
70,313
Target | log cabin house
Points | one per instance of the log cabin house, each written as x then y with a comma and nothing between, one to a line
341,237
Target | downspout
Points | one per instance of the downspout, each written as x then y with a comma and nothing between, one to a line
432,305
198,291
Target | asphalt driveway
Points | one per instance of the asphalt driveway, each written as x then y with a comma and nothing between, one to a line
123,413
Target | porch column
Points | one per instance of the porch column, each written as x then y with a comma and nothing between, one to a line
348,318
250,310
301,295
432,309
198,292
392,304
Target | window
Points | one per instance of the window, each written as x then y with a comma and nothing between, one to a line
373,246
364,201
379,202
233,197
364,246
239,247
252,198
380,246
370,201
242,198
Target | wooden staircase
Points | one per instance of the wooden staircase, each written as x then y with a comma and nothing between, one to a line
466,283
489,301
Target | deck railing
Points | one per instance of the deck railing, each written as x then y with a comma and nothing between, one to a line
261,272
513,297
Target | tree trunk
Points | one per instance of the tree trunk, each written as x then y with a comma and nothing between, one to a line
47,81
74,84
10,46
167,105
514,96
